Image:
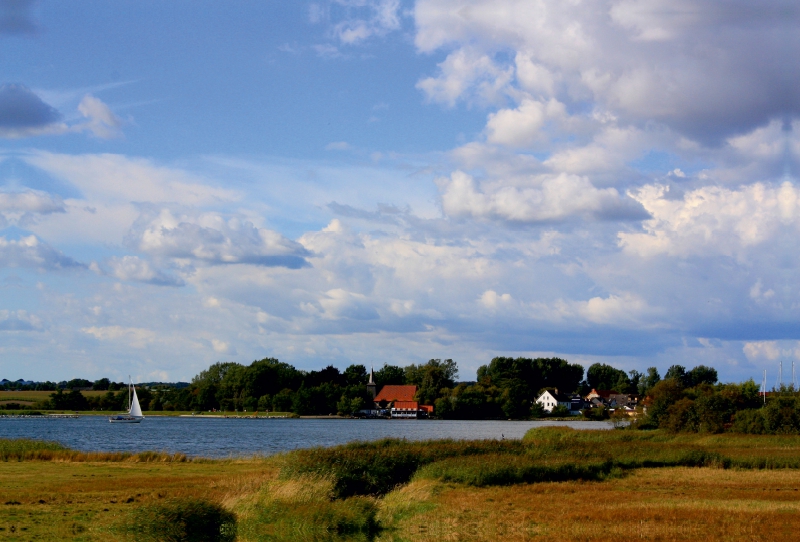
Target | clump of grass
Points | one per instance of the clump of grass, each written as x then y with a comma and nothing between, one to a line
375,468
182,520
302,509
499,470
20,449
319,518
43,450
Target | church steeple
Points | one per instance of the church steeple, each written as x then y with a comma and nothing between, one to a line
372,388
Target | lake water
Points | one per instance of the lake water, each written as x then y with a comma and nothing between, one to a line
221,437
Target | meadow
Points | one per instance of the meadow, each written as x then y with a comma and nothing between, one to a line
556,482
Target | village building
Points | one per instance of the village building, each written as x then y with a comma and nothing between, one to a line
398,401
612,399
550,399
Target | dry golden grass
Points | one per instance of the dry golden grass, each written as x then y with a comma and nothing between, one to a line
81,500
650,504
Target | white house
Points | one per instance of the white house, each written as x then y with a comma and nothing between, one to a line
551,399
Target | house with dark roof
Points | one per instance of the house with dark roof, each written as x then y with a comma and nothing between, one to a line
612,399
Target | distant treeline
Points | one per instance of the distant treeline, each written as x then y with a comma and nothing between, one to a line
682,401
104,384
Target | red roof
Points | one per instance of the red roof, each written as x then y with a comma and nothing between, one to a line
407,405
396,393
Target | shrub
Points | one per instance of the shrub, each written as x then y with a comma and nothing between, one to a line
750,421
186,519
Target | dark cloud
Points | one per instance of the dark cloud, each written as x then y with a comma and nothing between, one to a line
21,109
16,17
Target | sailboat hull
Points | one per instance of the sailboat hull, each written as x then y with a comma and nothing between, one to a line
124,419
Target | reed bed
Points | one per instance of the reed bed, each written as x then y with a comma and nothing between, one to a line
40,450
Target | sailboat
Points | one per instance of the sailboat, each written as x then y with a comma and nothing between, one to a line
134,414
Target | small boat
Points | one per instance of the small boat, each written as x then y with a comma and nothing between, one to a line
134,414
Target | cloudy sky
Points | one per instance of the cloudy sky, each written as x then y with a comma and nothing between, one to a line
370,181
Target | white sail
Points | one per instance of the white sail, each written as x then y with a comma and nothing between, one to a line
136,410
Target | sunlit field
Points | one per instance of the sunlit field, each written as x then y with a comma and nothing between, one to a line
556,482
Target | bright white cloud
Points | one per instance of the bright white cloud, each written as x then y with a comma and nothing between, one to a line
523,125
712,219
467,72
614,309
213,239
547,198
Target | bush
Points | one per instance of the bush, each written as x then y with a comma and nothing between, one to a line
187,519
560,412
595,414
750,421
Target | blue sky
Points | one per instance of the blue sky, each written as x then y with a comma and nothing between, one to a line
370,181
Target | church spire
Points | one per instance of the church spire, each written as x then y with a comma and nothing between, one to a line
372,388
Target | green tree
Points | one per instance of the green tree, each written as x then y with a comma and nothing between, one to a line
101,385
662,396
647,381
355,375
677,373
282,401
701,375
605,377
390,375
431,378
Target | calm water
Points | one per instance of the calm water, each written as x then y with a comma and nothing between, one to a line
220,437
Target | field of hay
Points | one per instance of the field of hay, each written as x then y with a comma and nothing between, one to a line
557,483
36,396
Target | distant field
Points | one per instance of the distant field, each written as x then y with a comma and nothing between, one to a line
35,396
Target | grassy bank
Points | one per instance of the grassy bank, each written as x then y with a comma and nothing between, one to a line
555,481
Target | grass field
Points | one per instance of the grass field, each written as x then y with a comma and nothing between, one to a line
555,483
36,396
